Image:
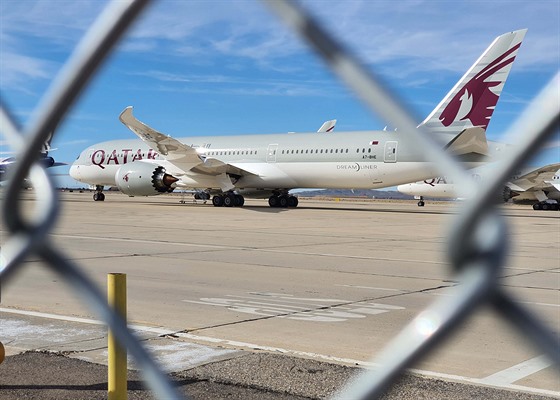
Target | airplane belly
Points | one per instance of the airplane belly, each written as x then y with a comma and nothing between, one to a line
268,176
356,175
349,175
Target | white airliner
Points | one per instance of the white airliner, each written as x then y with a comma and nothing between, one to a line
45,161
540,186
270,165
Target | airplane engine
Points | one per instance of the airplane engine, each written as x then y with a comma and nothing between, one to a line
507,194
47,162
144,179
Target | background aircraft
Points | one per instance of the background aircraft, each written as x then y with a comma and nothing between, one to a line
45,161
540,186
230,167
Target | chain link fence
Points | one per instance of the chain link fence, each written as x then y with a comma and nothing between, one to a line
477,247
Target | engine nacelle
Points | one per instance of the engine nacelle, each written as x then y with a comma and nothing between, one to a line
140,178
47,161
507,194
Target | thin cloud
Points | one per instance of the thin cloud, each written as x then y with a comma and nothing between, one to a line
393,36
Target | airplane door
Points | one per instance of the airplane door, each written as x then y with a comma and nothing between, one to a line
271,153
390,151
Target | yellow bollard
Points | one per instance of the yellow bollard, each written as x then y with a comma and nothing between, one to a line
116,293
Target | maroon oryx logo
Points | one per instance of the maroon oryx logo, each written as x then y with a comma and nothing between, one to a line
475,100
125,177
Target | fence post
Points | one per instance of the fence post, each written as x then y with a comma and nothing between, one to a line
117,371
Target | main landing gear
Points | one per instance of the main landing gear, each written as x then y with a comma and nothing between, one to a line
98,195
283,201
228,200
421,202
544,205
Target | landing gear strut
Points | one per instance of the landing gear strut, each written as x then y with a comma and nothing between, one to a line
98,195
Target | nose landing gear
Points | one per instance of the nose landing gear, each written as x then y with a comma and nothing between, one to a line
98,195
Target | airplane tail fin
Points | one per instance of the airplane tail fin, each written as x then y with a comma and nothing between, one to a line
328,126
472,100
555,182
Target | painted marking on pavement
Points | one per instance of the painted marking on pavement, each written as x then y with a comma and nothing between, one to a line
372,288
298,308
519,371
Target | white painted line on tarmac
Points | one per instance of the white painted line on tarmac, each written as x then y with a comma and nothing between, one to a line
51,316
502,379
89,321
113,239
228,247
519,371
372,288
369,364
521,302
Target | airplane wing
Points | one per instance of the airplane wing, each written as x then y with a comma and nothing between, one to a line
538,179
179,154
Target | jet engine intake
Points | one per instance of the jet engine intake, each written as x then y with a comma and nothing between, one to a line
139,178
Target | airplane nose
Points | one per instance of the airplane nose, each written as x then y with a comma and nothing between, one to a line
75,172
405,189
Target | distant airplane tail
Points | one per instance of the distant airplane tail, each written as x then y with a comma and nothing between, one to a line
328,126
555,182
472,100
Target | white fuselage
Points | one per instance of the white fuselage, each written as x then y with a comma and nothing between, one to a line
370,159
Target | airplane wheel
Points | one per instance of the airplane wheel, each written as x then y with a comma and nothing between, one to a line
283,201
229,200
273,201
98,197
545,207
420,203
239,200
537,206
218,201
293,201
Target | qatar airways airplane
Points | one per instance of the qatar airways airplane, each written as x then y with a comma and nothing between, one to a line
538,186
270,165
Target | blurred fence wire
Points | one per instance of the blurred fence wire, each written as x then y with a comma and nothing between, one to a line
477,247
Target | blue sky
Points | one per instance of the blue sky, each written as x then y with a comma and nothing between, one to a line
230,67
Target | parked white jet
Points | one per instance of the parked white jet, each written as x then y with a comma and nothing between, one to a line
231,167
540,186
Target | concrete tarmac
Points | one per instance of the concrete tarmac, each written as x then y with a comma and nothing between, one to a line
330,281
